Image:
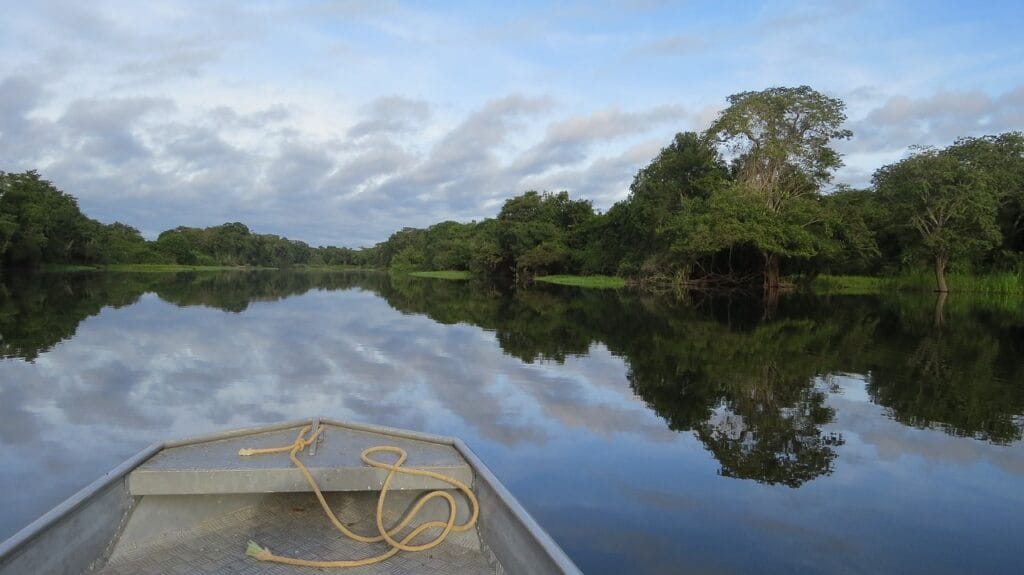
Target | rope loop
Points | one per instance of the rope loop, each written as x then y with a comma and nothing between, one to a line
383,533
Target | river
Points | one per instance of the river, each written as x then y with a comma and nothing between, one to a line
833,434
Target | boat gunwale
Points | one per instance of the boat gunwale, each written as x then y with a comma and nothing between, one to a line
80,498
119,473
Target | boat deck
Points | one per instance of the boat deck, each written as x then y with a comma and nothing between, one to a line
215,467
289,525
192,506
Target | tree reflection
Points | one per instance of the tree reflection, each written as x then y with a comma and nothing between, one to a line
961,373
39,310
756,398
754,391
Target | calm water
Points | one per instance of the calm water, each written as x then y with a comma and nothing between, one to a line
848,434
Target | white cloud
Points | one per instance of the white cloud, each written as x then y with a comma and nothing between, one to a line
194,114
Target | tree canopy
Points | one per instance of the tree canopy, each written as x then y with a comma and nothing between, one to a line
949,205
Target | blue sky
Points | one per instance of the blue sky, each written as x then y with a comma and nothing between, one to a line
340,122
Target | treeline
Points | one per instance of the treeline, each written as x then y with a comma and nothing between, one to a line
744,202
40,224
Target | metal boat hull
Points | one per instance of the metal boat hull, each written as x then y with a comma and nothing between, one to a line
188,507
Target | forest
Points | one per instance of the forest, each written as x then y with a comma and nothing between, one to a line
745,203
748,202
42,225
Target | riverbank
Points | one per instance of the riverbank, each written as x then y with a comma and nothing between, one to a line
596,282
444,275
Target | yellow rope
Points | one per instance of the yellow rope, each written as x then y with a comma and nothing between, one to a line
384,534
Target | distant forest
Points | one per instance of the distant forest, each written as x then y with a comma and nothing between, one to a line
41,225
742,203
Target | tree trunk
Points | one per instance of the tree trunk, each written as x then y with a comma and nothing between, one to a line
771,303
771,271
940,274
939,317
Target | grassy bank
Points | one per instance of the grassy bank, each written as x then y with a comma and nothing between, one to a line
444,275
849,285
1002,283
66,268
600,282
172,268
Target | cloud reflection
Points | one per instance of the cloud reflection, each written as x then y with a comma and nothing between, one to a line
584,405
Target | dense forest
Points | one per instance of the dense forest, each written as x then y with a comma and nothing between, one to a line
743,203
40,224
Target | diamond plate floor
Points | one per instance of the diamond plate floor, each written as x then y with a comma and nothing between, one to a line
292,525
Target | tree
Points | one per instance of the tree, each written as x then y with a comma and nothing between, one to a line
176,246
947,201
688,168
1001,158
857,219
535,232
778,141
733,220
120,243
41,224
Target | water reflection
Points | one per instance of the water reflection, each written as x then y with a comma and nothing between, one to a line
753,391
578,382
962,375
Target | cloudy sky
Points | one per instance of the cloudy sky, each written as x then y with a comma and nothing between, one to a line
338,122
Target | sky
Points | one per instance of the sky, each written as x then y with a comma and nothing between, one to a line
340,122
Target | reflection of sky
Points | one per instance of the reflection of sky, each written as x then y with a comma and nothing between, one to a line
619,490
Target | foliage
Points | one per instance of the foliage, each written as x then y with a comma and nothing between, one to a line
688,169
39,223
778,141
947,205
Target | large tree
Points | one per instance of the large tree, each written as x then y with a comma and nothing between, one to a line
945,201
778,141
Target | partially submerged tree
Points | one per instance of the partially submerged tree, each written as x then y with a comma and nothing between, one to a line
778,141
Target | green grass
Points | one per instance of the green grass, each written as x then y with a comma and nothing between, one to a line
172,268
66,268
922,281
444,275
332,268
600,282
849,285
998,283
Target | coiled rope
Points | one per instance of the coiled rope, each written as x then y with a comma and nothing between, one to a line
384,534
